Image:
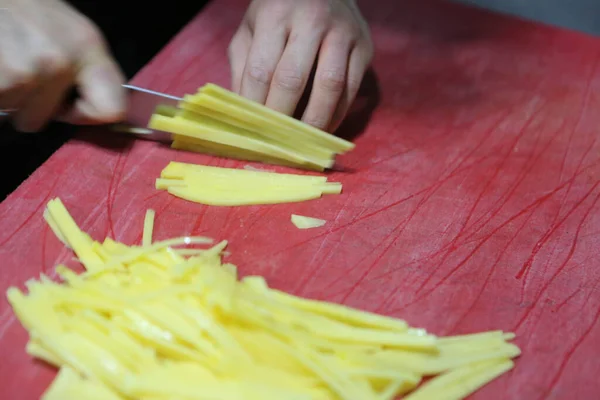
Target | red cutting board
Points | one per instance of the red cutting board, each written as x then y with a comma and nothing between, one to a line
470,202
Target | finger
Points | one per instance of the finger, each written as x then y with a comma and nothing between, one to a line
293,70
360,58
265,51
238,54
56,76
330,80
17,86
17,73
102,96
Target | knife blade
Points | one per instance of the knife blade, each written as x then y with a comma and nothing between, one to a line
141,104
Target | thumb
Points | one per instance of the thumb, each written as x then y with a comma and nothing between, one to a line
102,98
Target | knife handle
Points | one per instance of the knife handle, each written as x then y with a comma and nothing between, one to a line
5,115
70,98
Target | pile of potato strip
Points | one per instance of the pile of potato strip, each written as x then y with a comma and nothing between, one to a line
217,186
152,322
219,122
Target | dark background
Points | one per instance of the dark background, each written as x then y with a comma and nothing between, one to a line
582,15
135,38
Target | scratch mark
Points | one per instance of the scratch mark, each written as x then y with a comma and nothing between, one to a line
399,229
501,202
563,303
153,195
6,324
44,262
33,213
111,183
259,215
540,244
569,353
452,244
198,222
438,183
311,275
569,255
583,108
534,205
489,275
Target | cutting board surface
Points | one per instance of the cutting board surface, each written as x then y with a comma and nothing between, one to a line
470,202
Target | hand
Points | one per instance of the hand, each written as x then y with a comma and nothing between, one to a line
277,45
47,48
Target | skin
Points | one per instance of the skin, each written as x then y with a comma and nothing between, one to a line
47,48
280,41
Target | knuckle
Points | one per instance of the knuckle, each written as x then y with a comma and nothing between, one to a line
353,84
259,73
317,14
53,61
347,29
333,80
88,35
274,12
290,80
318,121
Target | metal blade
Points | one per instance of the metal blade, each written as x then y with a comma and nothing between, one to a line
142,103
5,115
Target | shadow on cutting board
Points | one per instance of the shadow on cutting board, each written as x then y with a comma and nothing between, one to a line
361,111
359,115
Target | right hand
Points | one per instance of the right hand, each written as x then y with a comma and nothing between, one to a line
46,49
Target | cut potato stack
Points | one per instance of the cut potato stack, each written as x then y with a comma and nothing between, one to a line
148,323
219,122
235,187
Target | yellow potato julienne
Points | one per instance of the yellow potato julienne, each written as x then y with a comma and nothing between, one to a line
218,122
235,187
178,169
200,146
198,111
255,125
148,228
183,127
302,222
147,323
332,141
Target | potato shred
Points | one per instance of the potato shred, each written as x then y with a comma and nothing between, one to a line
147,322
236,187
219,122
302,222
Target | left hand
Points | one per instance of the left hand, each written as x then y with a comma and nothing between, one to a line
279,42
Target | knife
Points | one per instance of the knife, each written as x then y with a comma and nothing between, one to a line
141,104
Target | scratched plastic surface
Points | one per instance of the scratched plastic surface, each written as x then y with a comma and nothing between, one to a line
470,203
